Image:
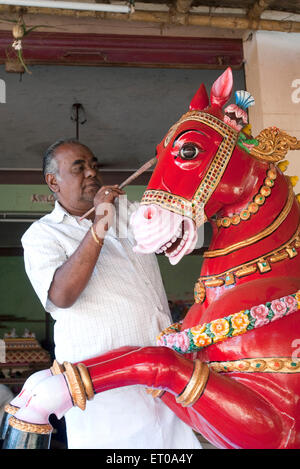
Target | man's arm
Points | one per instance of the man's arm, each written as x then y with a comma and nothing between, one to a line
71,278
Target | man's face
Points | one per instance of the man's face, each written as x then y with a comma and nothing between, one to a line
78,177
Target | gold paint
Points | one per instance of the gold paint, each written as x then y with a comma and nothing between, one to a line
258,365
274,144
86,381
269,182
254,239
245,215
263,266
251,267
41,429
253,207
265,191
199,292
214,282
155,393
279,257
229,279
291,252
75,385
235,220
11,409
259,199
195,386
57,368
294,180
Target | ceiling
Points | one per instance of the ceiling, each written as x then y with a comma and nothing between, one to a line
124,113
292,6
277,15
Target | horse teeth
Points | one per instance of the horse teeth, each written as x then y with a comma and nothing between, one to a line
174,239
181,243
186,235
164,248
169,245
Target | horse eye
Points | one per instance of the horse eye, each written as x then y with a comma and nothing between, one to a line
188,151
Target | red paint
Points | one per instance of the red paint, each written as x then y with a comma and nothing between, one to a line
237,410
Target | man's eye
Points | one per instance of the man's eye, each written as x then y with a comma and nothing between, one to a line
189,151
78,168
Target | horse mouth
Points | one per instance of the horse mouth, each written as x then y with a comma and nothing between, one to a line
180,244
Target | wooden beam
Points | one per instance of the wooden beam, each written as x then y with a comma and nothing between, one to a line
50,48
192,19
183,6
259,6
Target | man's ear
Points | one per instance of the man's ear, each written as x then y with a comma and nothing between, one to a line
51,180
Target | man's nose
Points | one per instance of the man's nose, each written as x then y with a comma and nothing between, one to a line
90,172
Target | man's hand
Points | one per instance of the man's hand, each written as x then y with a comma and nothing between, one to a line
104,208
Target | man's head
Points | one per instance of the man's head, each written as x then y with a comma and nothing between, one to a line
72,174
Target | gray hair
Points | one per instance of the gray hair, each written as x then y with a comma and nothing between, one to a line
49,163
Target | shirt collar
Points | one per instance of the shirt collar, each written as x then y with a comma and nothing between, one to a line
58,213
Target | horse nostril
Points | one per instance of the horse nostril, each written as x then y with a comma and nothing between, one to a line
149,213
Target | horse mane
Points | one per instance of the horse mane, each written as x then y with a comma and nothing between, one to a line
273,145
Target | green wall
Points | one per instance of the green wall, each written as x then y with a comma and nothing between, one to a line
17,295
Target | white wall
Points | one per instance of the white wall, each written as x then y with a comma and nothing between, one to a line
272,72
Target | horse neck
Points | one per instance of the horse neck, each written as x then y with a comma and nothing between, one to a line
268,216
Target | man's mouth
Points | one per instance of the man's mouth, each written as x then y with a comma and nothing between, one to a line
93,185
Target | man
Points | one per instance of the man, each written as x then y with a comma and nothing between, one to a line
102,296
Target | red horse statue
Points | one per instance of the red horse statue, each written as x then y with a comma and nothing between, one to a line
230,369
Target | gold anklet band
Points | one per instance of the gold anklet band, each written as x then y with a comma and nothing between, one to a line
86,381
57,368
195,386
75,385
41,429
11,409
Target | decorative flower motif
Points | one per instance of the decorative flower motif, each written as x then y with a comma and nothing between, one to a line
179,341
200,338
220,328
260,313
291,303
203,335
279,309
182,341
239,322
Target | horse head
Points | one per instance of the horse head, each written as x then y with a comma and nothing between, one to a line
203,164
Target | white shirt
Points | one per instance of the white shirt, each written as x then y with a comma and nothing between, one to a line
124,303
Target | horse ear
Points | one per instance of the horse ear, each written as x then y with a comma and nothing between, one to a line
221,89
200,100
